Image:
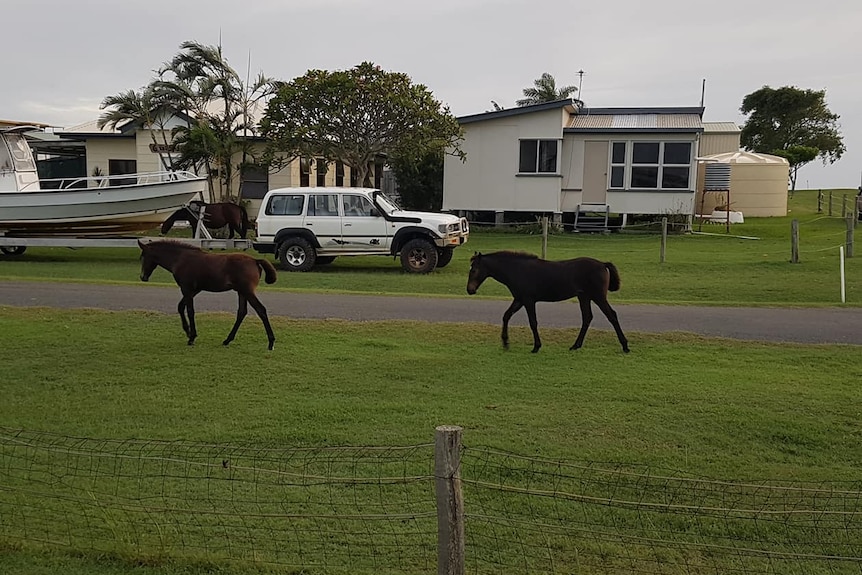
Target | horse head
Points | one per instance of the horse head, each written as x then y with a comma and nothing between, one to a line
477,273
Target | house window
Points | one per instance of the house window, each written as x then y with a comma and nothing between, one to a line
378,175
321,172
120,167
339,174
618,165
660,165
354,178
304,172
538,156
254,182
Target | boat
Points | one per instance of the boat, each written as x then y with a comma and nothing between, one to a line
84,206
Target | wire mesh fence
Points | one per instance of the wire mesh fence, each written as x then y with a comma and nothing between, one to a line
373,510
338,509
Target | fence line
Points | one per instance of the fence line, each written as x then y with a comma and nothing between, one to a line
376,509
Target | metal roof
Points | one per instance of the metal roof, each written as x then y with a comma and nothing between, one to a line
721,127
661,120
516,111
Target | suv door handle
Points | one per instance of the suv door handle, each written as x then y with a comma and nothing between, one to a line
347,224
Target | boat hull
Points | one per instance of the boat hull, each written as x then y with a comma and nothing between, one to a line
95,211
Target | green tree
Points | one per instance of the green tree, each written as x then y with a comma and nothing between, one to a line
357,116
789,122
420,181
545,90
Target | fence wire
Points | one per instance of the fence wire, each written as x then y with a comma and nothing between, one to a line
332,509
373,510
529,515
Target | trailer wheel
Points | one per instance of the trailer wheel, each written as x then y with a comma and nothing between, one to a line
13,250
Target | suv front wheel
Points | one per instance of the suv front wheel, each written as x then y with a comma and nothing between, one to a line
419,256
296,255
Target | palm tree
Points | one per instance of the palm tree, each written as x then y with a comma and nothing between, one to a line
545,90
219,101
148,107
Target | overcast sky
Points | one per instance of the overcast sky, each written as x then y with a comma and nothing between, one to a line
62,57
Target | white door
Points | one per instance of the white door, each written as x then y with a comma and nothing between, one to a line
595,173
322,218
362,229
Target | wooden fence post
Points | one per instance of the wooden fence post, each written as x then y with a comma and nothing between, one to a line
844,206
663,239
830,204
794,241
450,500
544,237
819,201
848,242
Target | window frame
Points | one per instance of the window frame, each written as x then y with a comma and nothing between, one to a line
632,169
541,145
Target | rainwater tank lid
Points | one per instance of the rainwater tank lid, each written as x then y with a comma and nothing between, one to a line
742,157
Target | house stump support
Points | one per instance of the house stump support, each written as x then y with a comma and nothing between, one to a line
450,500
499,218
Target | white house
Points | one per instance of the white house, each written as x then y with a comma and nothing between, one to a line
557,159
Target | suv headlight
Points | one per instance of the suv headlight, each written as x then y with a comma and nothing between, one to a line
449,228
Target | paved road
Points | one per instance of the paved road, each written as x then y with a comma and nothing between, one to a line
825,325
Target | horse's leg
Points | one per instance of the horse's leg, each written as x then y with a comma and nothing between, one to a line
241,312
261,312
586,319
516,305
612,317
190,310
181,309
530,306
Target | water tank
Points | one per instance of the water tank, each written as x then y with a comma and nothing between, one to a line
716,177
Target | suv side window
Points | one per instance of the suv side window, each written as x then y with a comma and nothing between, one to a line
285,205
322,205
357,206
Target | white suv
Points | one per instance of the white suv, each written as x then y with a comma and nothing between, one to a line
308,226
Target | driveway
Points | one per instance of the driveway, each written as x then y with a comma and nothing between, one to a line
811,325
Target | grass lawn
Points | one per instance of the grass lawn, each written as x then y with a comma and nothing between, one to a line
678,404
710,268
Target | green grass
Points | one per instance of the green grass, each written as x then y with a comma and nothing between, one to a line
705,407
713,269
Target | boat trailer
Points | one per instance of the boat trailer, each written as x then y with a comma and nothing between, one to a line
16,245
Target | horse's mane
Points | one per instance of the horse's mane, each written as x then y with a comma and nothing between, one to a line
173,244
513,254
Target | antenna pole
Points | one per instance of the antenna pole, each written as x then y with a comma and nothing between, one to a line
702,92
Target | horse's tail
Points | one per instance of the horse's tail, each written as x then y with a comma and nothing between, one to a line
614,284
269,269
245,223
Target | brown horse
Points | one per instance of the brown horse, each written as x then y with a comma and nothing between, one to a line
532,280
215,216
195,271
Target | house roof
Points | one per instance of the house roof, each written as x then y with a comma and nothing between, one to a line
18,123
628,120
721,128
517,111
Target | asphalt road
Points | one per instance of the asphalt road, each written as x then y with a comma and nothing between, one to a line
821,325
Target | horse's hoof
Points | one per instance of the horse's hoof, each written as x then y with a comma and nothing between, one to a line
535,350
626,349
225,342
191,342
